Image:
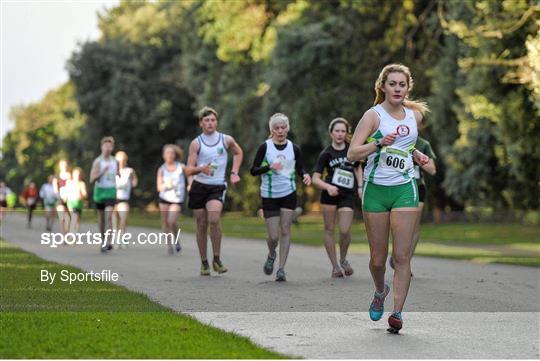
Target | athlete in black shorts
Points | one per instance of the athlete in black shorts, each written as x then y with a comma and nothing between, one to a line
339,191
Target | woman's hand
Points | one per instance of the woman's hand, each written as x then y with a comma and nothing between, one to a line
307,179
389,139
276,166
420,157
332,190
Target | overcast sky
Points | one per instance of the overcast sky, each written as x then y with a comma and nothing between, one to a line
37,38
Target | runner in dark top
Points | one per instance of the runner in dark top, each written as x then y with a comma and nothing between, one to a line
338,193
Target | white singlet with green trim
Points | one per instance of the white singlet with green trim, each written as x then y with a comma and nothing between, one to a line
107,179
392,165
213,151
281,183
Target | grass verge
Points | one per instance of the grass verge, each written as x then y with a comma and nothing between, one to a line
98,320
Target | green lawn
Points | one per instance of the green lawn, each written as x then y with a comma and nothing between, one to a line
97,320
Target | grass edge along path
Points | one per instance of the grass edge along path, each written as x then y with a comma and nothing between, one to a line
98,320
484,243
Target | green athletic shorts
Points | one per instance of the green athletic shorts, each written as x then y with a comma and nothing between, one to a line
103,194
378,198
77,205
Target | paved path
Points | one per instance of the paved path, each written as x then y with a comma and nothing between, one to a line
455,309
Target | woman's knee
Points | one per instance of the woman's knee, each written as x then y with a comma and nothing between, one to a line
378,261
401,258
214,223
344,235
273,238
329,228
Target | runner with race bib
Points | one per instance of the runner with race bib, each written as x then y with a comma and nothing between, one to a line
339,191
277,161
103,173
387,135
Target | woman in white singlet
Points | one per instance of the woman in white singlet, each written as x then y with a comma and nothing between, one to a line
60,188
277,162
171,185
386,135
126,180
76,194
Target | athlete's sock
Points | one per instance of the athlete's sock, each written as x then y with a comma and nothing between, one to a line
217,260
380,294
205,263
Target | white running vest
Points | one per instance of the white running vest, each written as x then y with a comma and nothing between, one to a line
277,184
108,179
123,184
392,165
73,191
214,154
175,190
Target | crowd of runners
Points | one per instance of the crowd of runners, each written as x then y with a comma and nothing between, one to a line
382,164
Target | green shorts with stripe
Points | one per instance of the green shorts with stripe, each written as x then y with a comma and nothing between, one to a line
378,198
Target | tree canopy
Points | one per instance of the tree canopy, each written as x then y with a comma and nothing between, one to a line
476,63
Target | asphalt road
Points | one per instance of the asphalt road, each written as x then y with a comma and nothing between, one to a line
455,309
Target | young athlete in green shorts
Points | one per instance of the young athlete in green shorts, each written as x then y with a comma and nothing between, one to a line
390,197
103,173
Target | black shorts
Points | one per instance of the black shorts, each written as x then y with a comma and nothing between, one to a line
340,201
106,203
32,207
3,204
161,200
272,206
421,193
201,193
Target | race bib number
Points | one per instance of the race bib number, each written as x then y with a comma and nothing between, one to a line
343,178
31,201
396,159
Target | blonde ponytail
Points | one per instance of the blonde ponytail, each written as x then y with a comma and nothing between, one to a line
417,105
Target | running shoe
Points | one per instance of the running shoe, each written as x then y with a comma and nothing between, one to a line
219,267
376,309
347,268
205,270
336,273
268,267
280,275
178,247
395,321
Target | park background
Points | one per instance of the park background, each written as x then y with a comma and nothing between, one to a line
476,63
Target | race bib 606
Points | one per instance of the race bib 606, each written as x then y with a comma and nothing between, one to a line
395,159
